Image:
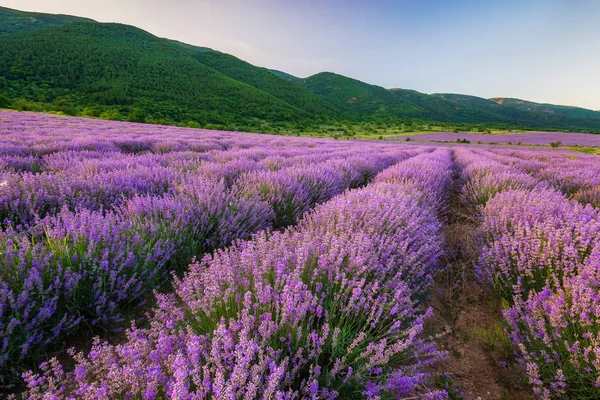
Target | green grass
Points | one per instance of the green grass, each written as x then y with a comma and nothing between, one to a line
594,150
495,338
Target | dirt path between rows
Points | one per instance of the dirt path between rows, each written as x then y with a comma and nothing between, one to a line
480,364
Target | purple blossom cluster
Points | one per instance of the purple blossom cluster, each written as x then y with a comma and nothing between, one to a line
333,307
96,214
576,176
484,177
541,254
300,268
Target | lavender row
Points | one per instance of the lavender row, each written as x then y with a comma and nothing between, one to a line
83,267
483,178
541,254
49,162
569,139
105,181
331,308
577,176
34,136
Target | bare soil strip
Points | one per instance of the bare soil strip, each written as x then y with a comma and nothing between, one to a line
480,364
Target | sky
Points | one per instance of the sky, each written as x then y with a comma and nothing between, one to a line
539,50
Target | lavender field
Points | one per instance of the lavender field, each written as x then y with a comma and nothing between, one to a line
281,267
533,138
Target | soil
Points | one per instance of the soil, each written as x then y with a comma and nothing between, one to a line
480,362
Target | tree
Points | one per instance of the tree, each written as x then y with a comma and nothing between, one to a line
4,102
137,115
193,124
554,145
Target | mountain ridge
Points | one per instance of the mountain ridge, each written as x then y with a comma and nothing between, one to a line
546,107
124,72
14,21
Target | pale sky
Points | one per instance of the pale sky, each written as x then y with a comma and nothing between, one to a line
538,50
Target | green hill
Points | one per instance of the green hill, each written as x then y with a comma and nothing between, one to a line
440,109
546,108
533,117
104,68
81,67
263,80
358,99
13,21
481,104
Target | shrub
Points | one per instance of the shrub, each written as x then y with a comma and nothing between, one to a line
555,145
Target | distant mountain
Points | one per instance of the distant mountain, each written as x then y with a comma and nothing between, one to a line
82,67
12,21
483,105
546,108
263,80
358,98
443,110
522,113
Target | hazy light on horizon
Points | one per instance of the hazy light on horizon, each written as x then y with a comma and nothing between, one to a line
544,51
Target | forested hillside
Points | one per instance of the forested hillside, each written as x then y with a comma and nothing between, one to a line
546,108
264,80
115,71
77,66
12,21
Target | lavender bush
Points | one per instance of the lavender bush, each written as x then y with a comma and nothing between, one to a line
332,308
323,293
576,176
96,214
540,253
